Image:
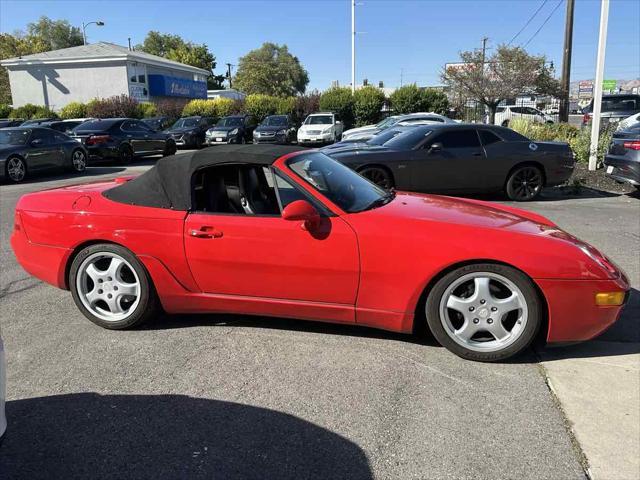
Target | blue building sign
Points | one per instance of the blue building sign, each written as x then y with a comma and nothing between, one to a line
165,86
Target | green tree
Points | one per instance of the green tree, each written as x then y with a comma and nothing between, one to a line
271,70
174,47
407,99
509,72
56,34
338,100
434,101
368,103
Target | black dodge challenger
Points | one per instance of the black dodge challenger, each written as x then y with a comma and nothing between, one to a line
462,158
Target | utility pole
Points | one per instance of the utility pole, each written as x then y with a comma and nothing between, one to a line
484,51
229,74
353,46
566,63
597,88
401,75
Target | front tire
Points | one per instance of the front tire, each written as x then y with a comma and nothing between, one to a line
170,148
379,176
484,312
111,287
524,183
125,154
15,169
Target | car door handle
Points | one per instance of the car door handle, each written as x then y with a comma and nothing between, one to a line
205,232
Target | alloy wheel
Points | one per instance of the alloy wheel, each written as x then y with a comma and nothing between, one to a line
79,160
108,286
378,176
483,311
16,169
526,183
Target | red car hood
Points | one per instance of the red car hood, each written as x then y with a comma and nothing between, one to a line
436,208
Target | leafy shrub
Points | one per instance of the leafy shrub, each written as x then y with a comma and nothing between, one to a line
407,99
544,132
306,105
580,144
29,111
340,101
286,106
217,107
114,107
170,107
260,105
73,110
434,101
147,110
368,103
5,110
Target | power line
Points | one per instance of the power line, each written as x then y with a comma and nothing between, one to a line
528,22
543,23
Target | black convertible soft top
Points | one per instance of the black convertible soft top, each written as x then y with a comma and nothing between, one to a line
168,183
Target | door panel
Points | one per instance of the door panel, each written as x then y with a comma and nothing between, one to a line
267,256
45,154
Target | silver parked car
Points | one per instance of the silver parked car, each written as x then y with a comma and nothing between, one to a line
622,162
362,134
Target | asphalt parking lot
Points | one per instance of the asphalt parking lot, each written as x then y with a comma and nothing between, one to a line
220,396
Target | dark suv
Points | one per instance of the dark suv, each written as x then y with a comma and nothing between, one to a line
231,129
275,129
614,108
190,131
122,139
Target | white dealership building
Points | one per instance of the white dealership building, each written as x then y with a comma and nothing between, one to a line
100,70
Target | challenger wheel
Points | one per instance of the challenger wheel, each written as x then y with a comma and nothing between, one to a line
16,169
505,123
379,176
524,183
484,312
78,161
111,287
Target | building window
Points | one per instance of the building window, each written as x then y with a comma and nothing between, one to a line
137,73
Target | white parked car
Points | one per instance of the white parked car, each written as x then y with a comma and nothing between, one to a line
362,134
505,114
3,386
322,127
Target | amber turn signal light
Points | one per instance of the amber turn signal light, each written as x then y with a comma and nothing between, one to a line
609,298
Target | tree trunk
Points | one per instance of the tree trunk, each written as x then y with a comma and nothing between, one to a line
492,113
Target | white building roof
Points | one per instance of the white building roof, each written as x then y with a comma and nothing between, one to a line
97,52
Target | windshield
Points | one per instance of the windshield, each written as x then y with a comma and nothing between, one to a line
14,137
385,136
387,122
319,120
409,140
230,122
344,187
186,123
275,121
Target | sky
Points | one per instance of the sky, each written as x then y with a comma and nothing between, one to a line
398,41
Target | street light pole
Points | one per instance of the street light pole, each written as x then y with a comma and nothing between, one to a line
353,46
566,63
84,28
597,88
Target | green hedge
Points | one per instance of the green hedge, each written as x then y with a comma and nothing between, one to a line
147,110
340,101
411,99
5,110
73,110
259,105
217,108
367,105
30,111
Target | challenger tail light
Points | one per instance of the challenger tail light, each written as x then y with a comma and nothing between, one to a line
97,139
633,145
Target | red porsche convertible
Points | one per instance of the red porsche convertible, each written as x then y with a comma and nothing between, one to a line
275,231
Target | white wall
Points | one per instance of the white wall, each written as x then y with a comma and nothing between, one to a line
56,86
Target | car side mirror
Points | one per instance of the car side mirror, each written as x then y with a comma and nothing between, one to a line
435,147
36,141
301,210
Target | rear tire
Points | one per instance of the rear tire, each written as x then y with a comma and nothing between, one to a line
380,176
111,287
125,154
484,312
78,161
524,183
170,148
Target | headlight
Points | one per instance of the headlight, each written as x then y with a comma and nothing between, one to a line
209,133
281,132
327,130
233,132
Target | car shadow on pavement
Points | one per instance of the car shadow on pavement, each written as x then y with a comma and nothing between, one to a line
88,435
